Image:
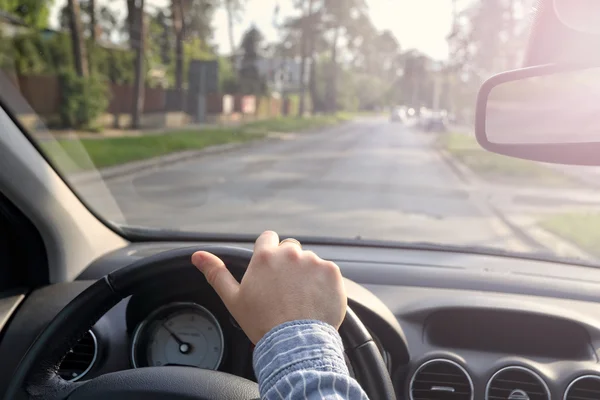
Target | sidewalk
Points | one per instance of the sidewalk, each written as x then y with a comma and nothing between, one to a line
523,223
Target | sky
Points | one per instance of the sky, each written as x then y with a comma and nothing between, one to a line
417,24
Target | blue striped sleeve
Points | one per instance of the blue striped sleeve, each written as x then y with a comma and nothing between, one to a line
304,360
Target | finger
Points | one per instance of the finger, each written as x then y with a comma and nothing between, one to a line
217,275
268,240
290,241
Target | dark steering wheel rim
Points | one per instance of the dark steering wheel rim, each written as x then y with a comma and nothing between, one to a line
37,376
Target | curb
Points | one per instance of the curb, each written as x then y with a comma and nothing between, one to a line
460,170
122,170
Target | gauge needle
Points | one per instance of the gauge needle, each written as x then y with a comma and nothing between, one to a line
184,347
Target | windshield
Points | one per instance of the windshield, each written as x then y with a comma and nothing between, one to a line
330,118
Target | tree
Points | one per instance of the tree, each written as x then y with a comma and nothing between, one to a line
161,32
138,91
191,19
233,8
34,13
130,20
177,13
338,16
304,49
415,79
487,37
108,21
79,50
93,23
250,80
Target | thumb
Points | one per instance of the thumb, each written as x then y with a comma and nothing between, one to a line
217,275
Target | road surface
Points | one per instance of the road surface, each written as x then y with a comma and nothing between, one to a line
370,179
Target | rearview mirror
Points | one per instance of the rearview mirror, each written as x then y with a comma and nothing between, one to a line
547,113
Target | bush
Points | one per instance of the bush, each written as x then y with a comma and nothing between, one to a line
83,100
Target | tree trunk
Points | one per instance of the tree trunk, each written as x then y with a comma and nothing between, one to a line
229,5
177,13
303,56
138,86
79,53
93,22
131,11
332,92
316,103
312,86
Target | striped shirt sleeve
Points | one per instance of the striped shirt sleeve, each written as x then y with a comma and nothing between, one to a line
304,360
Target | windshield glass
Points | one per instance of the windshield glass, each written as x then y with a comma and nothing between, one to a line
331,118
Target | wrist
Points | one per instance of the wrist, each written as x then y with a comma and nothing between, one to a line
309,345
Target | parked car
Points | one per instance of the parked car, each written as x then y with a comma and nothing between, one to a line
435,123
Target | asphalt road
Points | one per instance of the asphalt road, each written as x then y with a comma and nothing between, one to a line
370,179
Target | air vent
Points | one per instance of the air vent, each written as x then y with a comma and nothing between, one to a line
584,388
441,380
516,383
80,359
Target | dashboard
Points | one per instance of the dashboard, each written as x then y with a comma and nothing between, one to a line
449,325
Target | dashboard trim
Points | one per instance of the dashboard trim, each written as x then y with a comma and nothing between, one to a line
446,360
521,368
150,317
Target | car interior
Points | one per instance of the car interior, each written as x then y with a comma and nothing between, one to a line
81,301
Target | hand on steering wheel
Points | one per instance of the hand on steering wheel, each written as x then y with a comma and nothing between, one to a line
37,376
282,283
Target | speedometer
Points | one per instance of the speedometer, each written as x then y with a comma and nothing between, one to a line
184,334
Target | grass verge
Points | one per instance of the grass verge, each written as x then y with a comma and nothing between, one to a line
294,124
581,229
500,168
84,154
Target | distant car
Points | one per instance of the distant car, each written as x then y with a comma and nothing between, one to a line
397,114
435,124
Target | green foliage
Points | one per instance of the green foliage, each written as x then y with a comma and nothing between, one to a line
580,228
34,13
114,65
83,100
28,59
34,53
228,81
7,56
120,150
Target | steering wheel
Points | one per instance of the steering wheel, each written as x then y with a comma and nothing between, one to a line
36,376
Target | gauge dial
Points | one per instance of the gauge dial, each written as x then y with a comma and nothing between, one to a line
178,334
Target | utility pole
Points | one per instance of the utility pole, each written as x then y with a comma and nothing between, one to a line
138,87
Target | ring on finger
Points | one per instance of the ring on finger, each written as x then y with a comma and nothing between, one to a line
291,240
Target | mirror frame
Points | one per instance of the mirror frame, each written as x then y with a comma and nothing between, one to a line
583,153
